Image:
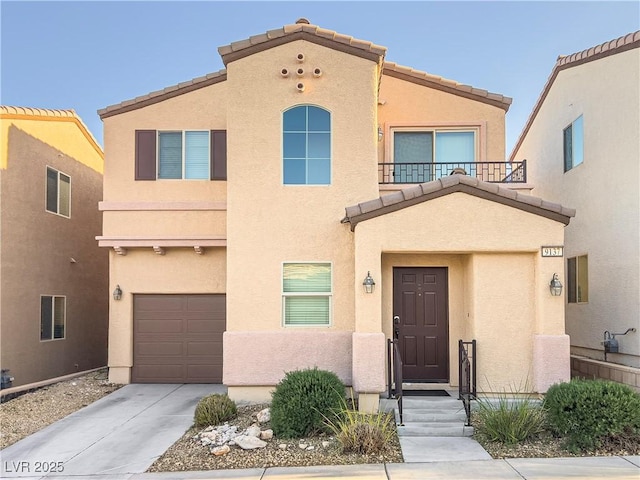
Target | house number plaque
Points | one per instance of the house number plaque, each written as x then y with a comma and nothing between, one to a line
552,251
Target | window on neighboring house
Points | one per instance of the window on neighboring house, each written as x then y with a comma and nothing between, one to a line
578,279
306,146
192,154
306,293
52,317
183,155
417,153
58,192
573,144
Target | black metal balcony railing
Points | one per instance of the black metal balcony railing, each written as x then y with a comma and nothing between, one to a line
492,172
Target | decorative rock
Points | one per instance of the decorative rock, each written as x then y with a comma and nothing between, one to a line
325,444
266,434
283,446
252,431
264,416
310,447
246,442
219,451
302,446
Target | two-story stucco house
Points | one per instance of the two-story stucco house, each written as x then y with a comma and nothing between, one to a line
53,276
582,145
245,210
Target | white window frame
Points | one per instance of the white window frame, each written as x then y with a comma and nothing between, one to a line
282,132
306,294
183,155
46,193
53,316
435,130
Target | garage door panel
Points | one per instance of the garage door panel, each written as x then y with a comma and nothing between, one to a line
204,374
159,303
160,326
178,338
147,348
203,348
205,303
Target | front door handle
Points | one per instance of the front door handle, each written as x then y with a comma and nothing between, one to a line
396,326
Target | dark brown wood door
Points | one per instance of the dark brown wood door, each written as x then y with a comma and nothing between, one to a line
420,300
178,338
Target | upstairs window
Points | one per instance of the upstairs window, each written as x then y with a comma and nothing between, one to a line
573,144
58,193
183,155
191,154
306,293
306,146
416,153
578,279
52,317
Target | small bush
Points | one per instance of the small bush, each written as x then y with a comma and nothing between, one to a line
302,400
214,409
510,420
590,411
362,433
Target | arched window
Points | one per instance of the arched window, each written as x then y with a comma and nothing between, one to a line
306,146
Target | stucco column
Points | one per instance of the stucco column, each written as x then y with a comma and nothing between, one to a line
551,346
368,340
120,357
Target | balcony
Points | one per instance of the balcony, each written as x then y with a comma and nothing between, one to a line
492,172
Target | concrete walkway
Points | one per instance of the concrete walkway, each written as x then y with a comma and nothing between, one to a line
121,435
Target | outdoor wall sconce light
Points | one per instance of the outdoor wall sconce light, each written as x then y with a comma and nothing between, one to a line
368,283
555,286
117,293
380,133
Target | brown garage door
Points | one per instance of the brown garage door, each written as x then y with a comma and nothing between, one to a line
178,338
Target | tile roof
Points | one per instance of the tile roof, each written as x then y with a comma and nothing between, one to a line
165,93
30,113
612,47
444,84
451,184
301,30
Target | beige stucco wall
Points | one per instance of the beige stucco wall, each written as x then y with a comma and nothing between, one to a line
180,270
408,104
203,109
498,282
37,248
604,190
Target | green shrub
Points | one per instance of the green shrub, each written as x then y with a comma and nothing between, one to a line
302,400
214,409
588,411
362,433
509,420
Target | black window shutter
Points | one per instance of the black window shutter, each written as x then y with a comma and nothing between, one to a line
218,154
568,148
145,155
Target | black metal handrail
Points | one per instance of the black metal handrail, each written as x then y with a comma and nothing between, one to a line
417,172
467,387
394,374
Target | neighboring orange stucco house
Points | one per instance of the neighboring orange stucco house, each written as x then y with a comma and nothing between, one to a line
244,209
54,278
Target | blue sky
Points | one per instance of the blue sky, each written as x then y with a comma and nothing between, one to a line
87,55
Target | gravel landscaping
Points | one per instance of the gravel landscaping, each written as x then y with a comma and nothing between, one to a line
35,410
32,411
189,454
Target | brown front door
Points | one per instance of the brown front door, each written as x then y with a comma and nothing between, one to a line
420,303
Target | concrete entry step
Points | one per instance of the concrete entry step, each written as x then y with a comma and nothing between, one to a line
434,429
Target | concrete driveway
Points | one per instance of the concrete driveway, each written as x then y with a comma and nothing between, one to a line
119,435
